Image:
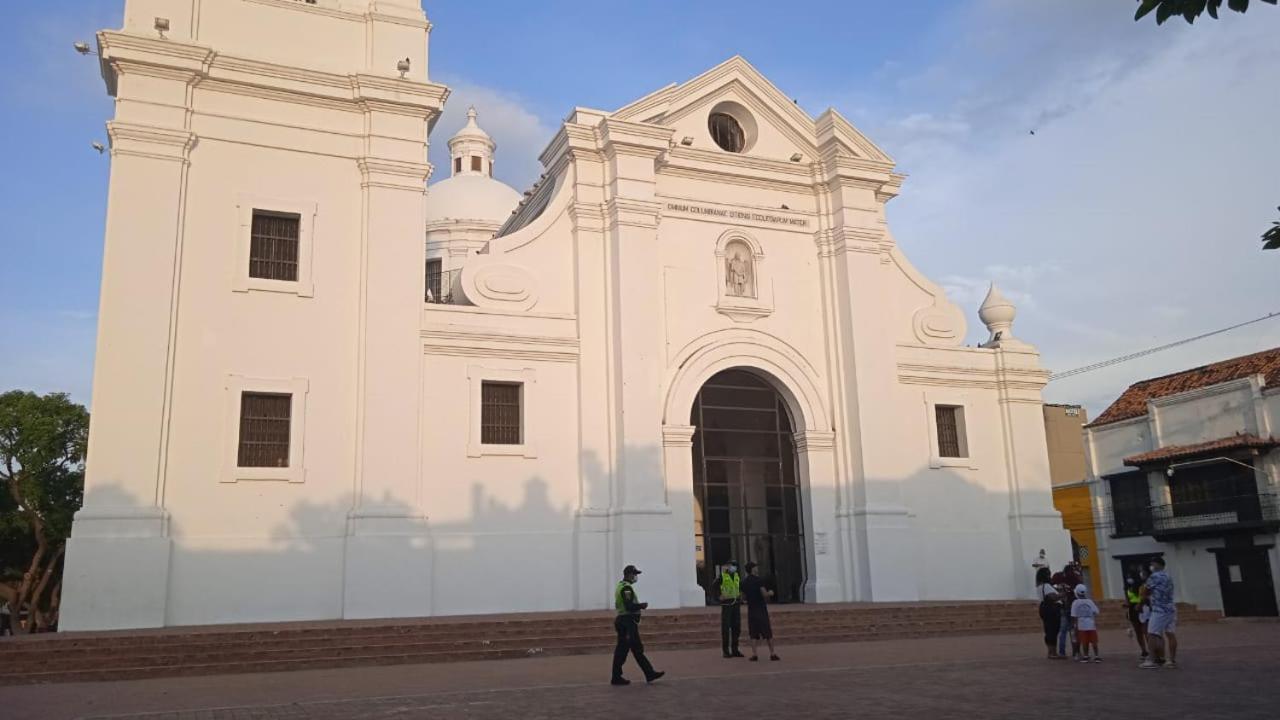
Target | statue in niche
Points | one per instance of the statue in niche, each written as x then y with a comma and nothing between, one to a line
739,270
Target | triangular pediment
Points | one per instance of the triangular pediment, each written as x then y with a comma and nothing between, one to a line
783,126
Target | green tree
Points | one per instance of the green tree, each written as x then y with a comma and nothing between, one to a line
1271,238
1188,10
43,440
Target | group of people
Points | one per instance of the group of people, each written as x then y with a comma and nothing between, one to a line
1069,615
732,591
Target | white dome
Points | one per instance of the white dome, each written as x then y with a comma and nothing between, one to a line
471,197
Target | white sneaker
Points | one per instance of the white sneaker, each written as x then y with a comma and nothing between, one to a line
1171,665
1149,665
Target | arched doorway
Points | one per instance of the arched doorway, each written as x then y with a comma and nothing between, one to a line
746,489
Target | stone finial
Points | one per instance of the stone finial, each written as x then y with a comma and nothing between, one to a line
997,313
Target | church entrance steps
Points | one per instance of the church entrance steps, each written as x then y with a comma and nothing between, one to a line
228,649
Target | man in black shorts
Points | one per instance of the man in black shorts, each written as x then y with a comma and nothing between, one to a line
757,595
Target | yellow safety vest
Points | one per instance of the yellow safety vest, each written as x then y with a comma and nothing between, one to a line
618,604
1135,597
729,586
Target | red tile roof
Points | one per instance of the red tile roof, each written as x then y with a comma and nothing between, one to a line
1133,402
1180,452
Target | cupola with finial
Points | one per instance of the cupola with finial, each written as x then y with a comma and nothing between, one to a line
997,313
472,149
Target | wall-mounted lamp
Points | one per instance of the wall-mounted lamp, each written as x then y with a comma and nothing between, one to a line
797,157
84,49
99,147
162,25
403,67
687,140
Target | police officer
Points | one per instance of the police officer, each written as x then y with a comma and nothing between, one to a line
627,625
728,585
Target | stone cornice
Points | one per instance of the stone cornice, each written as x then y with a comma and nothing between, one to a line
633,213
489,344
149,141
394,174
678,435
620,136
815,440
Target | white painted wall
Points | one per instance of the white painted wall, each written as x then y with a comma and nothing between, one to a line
605,297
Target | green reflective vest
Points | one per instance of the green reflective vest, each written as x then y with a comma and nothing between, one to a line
729,585
618,603
1135,598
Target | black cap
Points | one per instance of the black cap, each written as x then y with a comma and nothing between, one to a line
631,570
751,566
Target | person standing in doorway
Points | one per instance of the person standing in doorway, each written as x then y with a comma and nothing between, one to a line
627,625
1163,623
757,597
729,587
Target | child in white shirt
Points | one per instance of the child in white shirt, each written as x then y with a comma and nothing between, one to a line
1085,613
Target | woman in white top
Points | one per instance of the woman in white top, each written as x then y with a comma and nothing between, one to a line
1047,594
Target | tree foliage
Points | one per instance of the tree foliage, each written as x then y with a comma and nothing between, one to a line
1188,10
1271,238
43,441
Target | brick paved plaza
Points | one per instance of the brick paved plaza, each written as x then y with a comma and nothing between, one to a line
1228,670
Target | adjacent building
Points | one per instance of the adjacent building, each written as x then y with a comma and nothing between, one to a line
695,339
1186,466
1068,473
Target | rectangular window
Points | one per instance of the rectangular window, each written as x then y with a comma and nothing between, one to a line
1130,504
457,165
434,281
476,163
500,413
264,429
273,246
951,439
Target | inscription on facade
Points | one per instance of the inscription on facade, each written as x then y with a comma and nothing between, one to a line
737,214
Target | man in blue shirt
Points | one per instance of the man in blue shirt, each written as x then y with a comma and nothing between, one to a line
1161,628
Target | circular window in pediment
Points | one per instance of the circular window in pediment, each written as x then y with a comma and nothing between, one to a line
732,127
727,132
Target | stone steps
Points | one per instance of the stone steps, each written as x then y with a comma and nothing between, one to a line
172,652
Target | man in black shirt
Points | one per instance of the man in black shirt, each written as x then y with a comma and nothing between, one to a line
756,596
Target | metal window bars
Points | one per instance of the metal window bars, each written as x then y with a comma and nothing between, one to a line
273,246
264,429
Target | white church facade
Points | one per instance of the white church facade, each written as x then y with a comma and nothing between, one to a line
326,389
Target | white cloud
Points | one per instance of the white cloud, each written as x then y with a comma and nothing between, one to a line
521,135
1131,217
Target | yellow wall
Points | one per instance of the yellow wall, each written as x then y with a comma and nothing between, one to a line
1077,517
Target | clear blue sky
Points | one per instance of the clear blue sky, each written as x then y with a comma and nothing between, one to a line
1151,173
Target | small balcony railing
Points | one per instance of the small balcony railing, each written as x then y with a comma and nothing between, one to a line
1130,521
440,287
1215,515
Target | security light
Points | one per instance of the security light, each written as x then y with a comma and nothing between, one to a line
403,67
162,25
83,48
796,157
686,140
99,147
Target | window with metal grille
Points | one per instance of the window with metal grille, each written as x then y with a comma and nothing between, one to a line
500,413
434,280
264,429
477,164
273,246
727,132
951,431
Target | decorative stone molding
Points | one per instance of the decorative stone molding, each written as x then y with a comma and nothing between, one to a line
678,435
815,441
306,211
744,285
